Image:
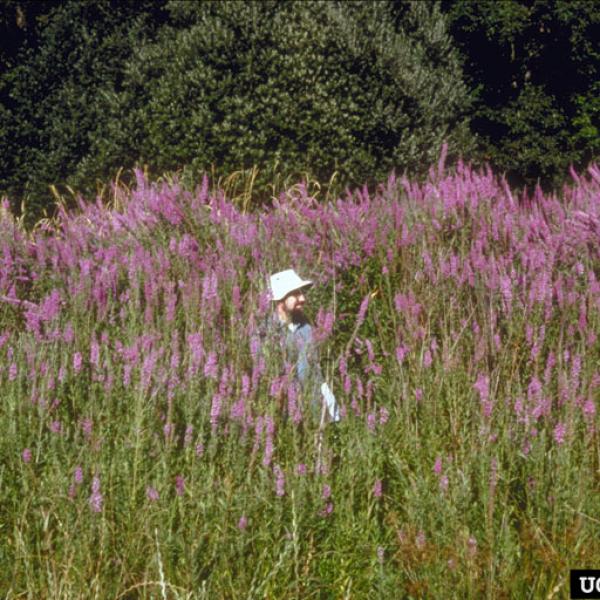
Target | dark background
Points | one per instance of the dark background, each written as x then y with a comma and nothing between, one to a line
342,92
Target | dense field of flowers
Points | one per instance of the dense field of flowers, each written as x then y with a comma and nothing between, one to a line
150,450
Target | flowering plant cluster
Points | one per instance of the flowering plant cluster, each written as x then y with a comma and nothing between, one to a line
457,324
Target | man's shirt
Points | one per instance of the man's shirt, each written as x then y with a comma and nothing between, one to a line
294,344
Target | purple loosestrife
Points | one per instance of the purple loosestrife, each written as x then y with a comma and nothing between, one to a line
86,425
94,353
371,422
324,325
384,415
427,359
401,353
77,362
279,481
196,352
293,406
372,366
26,455
362,311
482,385
270,430
559,433
238,410
377,489
258,429
96,499
215,410
78,475
211,367
179,485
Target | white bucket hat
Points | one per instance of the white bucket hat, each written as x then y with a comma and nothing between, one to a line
284,282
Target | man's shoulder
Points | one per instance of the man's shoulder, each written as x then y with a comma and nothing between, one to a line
304,330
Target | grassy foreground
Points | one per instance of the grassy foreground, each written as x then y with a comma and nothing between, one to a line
149,450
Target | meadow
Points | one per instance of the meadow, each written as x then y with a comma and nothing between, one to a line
151,450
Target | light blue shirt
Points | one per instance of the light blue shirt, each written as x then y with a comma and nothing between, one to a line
299,349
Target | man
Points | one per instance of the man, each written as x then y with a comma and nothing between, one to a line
294,334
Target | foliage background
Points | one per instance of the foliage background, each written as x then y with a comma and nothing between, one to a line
342,92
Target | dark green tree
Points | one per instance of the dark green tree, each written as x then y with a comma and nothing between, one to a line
54,91
534,67
292,87
318,87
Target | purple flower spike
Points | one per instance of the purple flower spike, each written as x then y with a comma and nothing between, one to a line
26,455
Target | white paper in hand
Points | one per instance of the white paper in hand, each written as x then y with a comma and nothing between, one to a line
332,407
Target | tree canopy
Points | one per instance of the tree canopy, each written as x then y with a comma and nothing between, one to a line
313,87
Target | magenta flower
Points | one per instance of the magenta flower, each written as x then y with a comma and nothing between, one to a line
326,492
362,311
152,494
179,485
472,546
242,523
377,488
211,368
96,500
77,362
589,408
86,427
327,510
78,475
371,422
26,455
187,438
482,385
270,430
559,433
279,481
427,359
384,415
301,469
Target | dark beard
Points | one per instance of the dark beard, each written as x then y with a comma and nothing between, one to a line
298,317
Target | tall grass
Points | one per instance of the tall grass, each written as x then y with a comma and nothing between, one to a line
151,450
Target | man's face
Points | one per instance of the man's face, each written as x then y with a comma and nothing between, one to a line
293,303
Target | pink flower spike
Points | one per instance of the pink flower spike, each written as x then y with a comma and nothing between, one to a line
377,488
179,485
78,475
26,455
559,433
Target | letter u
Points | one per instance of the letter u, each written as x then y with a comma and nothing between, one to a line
583,586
